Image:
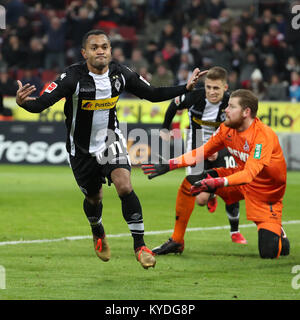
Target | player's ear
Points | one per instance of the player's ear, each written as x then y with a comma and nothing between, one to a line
247,112
83,53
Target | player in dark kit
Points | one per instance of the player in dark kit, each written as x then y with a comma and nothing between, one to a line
96,146
206,108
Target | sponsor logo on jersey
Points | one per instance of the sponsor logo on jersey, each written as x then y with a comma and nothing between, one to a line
52,86
99,104
86,90
177,101
257,151
243,156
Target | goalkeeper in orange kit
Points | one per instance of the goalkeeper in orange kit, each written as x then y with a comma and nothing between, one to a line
260,175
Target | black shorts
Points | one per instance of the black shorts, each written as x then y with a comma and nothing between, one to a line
90,175
225,159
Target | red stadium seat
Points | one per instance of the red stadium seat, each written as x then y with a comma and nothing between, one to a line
128,33
48,75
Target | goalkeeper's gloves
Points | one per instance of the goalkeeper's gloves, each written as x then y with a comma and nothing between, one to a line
208,185
155,170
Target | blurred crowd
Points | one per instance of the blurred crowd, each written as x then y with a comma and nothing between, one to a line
163,40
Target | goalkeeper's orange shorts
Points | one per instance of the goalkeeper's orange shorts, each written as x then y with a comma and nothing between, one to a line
266,215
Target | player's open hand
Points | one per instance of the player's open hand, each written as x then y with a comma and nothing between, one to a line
196,75
154,170
24,92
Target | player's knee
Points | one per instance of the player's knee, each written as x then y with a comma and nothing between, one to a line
94,199
121,180
202,199
124,189
268,244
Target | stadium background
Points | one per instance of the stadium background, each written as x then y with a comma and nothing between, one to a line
163,40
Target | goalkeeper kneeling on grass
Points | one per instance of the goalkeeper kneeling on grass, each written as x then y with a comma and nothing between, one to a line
260,175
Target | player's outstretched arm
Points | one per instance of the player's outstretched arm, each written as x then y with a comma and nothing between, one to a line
185,160
136,85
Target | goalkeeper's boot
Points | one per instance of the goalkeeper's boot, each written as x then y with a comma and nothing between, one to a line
212,203
237,237
145,257
170,246
285,249
101,248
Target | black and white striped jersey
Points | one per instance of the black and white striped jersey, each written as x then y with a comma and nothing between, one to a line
91,99
202,115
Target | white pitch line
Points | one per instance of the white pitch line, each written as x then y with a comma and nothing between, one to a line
120,235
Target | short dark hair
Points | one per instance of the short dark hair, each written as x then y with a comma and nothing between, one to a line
247,99
217,73
95,32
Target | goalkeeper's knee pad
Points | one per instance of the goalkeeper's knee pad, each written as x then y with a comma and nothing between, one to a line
268,244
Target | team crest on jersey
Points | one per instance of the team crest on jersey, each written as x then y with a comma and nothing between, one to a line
52,86
246,146
117,85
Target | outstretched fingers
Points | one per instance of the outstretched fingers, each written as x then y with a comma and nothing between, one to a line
148,168
24,92
196,75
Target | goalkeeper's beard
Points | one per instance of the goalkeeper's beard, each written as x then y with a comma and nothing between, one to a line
234,124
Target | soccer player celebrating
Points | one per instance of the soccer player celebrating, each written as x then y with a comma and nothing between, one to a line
95,143
206,112
259,178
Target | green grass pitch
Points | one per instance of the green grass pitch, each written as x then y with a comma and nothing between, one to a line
45,203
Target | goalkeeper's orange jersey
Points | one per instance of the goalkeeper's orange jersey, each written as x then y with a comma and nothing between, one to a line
259,157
